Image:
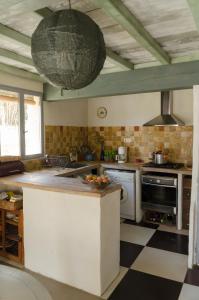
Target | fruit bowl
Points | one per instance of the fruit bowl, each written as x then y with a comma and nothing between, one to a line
98,182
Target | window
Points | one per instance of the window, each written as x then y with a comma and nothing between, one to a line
32,116
9,123
20,123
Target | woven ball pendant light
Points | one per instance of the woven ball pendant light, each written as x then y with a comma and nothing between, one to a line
68,49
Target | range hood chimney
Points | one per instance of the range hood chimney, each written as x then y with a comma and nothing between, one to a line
167,117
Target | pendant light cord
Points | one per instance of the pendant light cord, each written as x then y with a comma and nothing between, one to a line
69,2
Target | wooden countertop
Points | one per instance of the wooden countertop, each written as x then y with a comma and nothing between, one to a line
183,171
48,179
125,166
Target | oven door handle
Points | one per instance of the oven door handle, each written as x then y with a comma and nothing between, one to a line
164,185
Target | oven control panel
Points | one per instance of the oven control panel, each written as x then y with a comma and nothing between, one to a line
159,180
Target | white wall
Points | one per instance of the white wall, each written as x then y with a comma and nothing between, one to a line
19,82
183,105
124,110
66,113
136,109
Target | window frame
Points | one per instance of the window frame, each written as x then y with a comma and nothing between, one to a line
22,92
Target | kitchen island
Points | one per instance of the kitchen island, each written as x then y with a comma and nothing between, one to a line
71,230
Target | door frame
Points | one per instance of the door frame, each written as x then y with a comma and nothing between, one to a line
193,258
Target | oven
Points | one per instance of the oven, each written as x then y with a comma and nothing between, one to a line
159,193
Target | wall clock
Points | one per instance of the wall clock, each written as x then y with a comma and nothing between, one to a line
101,112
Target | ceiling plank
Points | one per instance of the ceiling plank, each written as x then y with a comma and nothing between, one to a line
11,8
117,10
194,7
121,62
19,72
16,57
176,76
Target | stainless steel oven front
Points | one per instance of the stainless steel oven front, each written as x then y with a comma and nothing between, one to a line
159,193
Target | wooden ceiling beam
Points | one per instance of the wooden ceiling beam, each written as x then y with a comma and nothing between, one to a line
176,76
19,72
23,39
121,62
174,60
121,14
15,35
16,57
118,60
44,12
194,7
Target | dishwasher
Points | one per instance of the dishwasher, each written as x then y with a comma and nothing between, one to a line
127,198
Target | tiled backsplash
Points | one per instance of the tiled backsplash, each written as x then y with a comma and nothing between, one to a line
59,139
143,140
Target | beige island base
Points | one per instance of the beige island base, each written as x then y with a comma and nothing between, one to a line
71,231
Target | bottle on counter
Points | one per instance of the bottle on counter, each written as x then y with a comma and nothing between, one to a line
102,152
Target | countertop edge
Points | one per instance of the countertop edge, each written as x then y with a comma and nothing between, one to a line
140,167
9,180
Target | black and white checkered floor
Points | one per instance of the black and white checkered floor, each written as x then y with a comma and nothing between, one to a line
153,265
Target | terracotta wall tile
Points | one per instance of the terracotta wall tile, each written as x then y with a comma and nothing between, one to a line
144,140
60,139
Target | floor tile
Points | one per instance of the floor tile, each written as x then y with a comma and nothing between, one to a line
60,291
142,224
173,229
128,253
162,263
140,286
135,234
192,277
189,292
169,241
18,285
115,283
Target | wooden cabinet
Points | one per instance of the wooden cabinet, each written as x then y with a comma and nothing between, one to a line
186,201
11,234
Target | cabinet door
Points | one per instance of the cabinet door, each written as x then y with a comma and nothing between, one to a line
186,207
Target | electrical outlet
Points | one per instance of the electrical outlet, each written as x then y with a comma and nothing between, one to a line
127,140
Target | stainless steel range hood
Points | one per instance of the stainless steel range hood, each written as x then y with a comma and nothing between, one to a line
166,117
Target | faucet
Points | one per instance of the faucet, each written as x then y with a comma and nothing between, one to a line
73,154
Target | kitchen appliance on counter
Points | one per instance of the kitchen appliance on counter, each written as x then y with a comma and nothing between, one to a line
168,165
159,192
122,155
127,198
11,167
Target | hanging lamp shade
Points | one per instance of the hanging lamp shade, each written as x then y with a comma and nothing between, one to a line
68,49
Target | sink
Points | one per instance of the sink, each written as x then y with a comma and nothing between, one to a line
75,165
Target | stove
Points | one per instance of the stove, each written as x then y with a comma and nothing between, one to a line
168,165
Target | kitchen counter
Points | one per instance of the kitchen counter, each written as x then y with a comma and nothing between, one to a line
48,179
139,166
183,171
125,166
67,225
139,169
